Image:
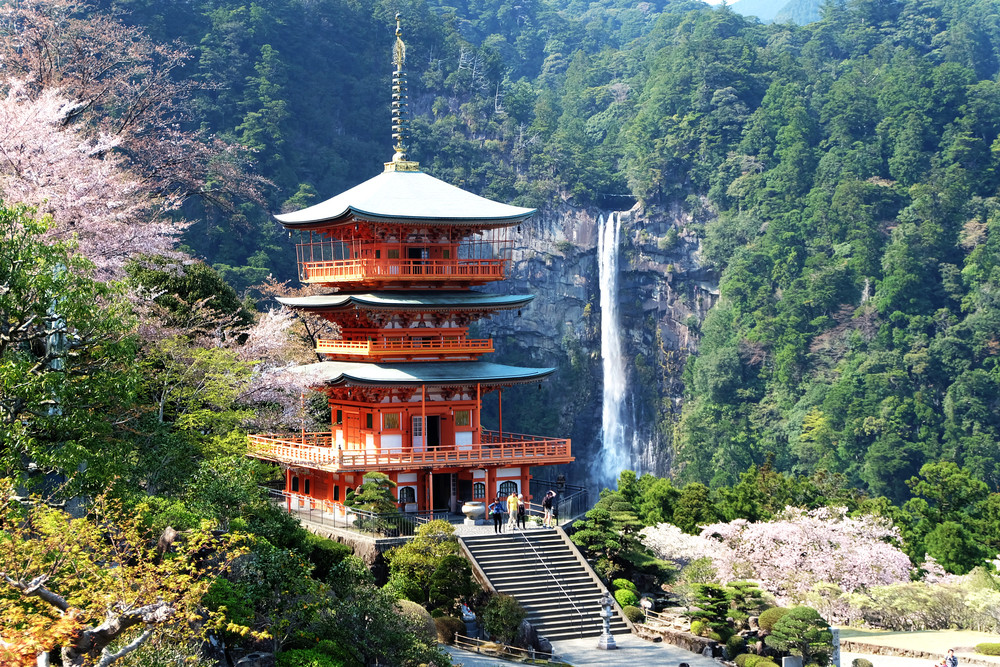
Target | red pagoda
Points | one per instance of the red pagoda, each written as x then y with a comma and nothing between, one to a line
400,254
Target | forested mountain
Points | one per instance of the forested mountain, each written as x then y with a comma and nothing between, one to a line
842,177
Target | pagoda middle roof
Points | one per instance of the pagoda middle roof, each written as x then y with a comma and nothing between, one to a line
406,196
335,373
412,300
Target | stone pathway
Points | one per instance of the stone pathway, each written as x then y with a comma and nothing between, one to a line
631,652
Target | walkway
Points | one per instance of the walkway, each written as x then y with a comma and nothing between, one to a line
631,652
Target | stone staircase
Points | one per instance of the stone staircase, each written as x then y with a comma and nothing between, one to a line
545,572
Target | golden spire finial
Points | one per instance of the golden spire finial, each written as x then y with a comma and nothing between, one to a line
399,97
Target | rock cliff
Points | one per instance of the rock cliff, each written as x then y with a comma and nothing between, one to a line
663,295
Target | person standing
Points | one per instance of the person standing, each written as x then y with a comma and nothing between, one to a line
496,511
547,505
512,510
951,660
520,511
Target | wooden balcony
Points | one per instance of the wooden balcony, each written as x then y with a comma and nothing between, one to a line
406,348
316,450
465,271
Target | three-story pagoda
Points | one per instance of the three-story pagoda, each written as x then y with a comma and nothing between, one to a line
400,255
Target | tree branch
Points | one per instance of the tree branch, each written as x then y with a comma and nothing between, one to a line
107,657
37,588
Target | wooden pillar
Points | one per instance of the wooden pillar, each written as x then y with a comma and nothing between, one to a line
491,492
500,398
430,487
477,425
423,417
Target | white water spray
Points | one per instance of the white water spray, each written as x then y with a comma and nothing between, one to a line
614,455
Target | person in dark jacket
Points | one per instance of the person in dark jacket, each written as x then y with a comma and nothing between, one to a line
496,512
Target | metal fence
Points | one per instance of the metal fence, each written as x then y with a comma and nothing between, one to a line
337,515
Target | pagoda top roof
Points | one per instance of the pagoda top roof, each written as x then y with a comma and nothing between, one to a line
412,300
406,196
334,373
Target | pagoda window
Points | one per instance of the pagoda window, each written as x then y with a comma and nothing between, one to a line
392,253
295,484
479,490
407,494
306,489
390,421
340,417
463,417
446,253
368,420
336,494
507,488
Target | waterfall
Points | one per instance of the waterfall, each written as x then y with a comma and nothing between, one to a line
615,452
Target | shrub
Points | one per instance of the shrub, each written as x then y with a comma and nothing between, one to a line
419,618
988,648
735,645
752,659
802,631
713,635
765,663
861,662
741,659
502,616
305,658
448,627
697,626
624,584
770,616
634,614
626,597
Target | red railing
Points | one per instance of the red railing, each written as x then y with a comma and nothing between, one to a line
356,270
315,450
383,347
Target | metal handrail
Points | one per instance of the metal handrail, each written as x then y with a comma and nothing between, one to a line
554,578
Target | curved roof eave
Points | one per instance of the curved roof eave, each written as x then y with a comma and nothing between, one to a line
410,301
347,373
395,196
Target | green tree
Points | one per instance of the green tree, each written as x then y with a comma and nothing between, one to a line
802,631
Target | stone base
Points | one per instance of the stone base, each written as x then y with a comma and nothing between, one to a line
607,642
474,522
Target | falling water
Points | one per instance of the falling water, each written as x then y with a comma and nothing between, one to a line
614,456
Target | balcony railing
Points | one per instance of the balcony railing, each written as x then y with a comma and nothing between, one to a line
405,347
361,270
315,450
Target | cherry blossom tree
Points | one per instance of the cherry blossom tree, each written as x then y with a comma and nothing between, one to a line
92,132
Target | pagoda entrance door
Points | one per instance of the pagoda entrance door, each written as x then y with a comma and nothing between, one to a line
444,489
352,431
416,254
429,438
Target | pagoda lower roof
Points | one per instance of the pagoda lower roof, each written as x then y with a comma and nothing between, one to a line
414,300
345,373
407,197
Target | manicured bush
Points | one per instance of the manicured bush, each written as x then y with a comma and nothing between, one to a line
770,616
419,618
752,660
305,658
802,631
626,597
735,645
697,626
861,662
765,663
741,659
713,635
634,614
448,627
988,648
620,584
502,616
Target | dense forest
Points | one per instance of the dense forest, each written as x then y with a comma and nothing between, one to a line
841,178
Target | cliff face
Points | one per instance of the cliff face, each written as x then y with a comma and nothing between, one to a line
663,295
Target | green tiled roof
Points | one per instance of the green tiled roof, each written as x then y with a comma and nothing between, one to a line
430,300
407,196
412,374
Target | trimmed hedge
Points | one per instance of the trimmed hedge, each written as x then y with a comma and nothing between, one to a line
448,627
769,617
624,584
634,614
735,645
861,662
626,598
988,648
697,626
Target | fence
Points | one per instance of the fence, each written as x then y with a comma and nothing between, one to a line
503,651
337,515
